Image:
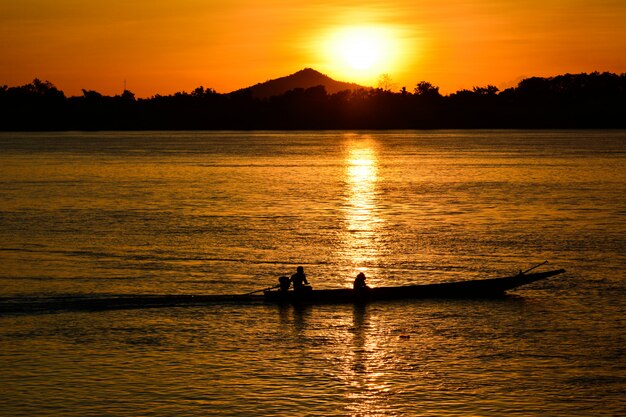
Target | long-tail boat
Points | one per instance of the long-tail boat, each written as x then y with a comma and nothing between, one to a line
480,288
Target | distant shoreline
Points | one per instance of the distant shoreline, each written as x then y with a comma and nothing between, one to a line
570,101
486,129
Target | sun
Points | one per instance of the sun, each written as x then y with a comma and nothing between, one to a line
360,49
361,53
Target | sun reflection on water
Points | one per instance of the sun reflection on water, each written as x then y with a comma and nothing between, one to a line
365,366
361,220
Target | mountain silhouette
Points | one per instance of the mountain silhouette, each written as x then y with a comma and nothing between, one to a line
310,100
305,78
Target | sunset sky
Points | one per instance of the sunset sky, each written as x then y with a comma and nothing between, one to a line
165,46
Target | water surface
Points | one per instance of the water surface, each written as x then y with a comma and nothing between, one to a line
93,214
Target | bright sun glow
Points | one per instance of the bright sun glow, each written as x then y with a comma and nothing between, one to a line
362,53
360,49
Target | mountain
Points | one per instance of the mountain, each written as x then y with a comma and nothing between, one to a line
305,78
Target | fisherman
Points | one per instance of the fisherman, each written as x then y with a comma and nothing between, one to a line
299,280
284,283
359,283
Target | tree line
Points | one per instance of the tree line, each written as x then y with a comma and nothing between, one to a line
594,100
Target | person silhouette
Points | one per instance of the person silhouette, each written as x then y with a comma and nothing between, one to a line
284,283
359,283
299,280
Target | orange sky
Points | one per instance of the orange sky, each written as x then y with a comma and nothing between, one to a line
165,46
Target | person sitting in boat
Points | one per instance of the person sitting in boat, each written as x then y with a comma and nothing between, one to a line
299,280
359,283
284,283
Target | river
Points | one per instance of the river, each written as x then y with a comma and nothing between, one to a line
118,213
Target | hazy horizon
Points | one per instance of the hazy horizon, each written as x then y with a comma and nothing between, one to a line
394,87
177,46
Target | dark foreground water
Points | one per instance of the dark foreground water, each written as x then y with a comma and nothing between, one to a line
113,214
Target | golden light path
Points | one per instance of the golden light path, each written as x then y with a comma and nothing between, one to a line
361,221
365,356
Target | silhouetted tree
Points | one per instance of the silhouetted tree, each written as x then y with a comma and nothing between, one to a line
385,82
426,89
490,90
92,95
565,101
128,96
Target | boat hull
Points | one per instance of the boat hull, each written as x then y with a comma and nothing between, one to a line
465,289
484,288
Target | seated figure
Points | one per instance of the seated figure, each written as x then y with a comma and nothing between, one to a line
284,283
359,283
299,280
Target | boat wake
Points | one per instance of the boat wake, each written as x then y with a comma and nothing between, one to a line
115,302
